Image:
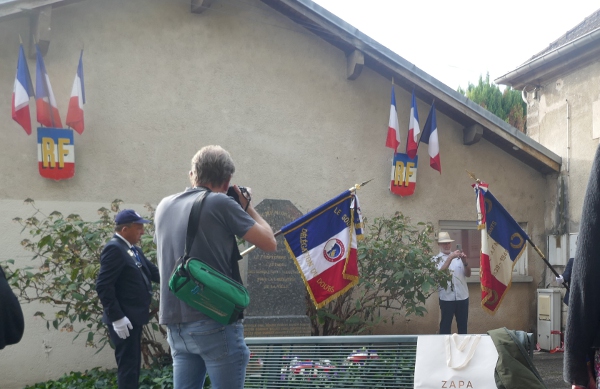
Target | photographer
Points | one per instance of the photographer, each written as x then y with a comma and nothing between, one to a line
454,299
198,343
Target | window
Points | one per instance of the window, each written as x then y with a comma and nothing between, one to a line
466,234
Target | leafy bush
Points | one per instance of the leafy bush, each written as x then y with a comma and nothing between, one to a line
67,251
397,276
158,378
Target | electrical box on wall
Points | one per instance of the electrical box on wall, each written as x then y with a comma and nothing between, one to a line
557,250
572,244
548,318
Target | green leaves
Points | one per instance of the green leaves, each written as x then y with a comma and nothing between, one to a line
157,378
507,105
65,254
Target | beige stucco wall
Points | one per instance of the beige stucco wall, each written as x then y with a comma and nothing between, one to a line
562,118
573,94
161,83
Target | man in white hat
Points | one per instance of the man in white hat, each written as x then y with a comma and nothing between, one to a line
454,299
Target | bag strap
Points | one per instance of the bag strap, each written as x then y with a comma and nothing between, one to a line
194,221
235,256
194,227
460,347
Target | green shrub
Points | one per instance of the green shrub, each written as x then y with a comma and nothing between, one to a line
158,378
66,259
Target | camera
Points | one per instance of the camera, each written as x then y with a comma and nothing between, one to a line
233,194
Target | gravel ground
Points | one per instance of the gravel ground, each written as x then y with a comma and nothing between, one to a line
550,367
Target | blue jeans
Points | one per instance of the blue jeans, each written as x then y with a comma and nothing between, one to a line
206,346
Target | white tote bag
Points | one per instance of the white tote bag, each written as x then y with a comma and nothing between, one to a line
455,361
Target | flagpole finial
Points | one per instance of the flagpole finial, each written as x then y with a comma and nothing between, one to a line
392,80
472,175
20,40
358,186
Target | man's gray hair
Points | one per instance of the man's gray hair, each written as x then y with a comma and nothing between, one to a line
119,227
211,165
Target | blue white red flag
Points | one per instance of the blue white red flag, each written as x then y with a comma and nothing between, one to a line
503,242
22,92
430,136
47,110
393,134
75,111
413,129
323,245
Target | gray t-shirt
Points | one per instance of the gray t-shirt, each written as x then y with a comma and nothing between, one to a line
221,220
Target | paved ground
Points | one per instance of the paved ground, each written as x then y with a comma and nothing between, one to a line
550,367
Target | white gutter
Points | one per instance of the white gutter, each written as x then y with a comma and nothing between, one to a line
561,51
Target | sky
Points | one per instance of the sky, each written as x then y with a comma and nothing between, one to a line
457,41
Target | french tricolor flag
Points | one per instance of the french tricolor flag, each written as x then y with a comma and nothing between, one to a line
430,136
413,129
393,134
323,245
503,242
75,111
47,110
22,92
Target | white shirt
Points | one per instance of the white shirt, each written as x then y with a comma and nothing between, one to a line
457,288
123,239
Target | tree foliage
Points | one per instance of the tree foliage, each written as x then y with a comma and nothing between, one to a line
397,276
66,259
507,105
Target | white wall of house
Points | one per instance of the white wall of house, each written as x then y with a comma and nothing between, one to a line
162,82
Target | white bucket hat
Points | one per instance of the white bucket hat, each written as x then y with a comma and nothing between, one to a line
444,237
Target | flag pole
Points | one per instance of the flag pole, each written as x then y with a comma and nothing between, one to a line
353,190
537,250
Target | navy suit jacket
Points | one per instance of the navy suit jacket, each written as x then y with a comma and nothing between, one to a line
121,286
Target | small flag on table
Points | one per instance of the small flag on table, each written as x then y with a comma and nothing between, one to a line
323,245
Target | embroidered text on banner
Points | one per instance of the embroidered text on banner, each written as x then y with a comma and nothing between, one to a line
323,245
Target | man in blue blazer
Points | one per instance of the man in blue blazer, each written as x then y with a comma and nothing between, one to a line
125,290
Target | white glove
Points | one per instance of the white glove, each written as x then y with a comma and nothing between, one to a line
121,326
559,279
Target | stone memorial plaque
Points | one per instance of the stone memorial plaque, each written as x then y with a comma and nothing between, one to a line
277,292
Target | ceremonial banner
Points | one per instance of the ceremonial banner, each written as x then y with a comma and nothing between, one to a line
503,242
56,153
403,180
323,245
